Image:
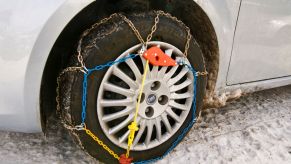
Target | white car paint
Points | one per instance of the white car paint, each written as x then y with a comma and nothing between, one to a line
262,42
223,16
25,43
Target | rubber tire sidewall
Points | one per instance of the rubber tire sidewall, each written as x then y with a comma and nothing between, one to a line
114,38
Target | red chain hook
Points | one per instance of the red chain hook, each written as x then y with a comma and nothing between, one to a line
124,160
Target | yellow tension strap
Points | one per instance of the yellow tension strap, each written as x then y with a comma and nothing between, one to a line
133,126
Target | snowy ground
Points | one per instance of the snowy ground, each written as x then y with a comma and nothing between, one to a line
253,129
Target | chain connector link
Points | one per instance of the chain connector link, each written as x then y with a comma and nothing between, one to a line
80,127
181,61
82,68
143,49
85,69
204,73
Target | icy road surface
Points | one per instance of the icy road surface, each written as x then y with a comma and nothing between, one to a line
253,129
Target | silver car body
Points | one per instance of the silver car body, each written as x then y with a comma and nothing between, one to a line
254,53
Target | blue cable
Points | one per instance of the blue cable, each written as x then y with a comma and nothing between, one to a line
182,135
131,56
97,68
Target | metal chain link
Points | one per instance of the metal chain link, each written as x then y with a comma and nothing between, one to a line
205,73
87,72
105,147
133,126
68,69
154,28
133,28
85,33
188,127
189,36
83,68
98,68
136,32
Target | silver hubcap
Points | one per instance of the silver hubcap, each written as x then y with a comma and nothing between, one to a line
165,103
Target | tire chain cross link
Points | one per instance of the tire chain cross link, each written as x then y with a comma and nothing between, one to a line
133,127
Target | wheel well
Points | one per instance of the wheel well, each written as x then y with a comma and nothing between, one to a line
65,46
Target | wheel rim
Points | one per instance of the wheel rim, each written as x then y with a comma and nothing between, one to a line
165,104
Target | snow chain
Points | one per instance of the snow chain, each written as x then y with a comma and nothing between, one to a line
133,127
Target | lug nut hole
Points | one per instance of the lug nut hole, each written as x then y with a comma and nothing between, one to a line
155,85
141,99
149,111
163,100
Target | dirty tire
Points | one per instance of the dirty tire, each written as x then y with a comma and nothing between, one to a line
105,43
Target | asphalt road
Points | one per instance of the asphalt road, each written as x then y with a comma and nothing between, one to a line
254,129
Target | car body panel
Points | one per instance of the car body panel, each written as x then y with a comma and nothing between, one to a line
262,42
223,16
25,43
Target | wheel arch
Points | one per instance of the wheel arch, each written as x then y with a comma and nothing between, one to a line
63,45
40,55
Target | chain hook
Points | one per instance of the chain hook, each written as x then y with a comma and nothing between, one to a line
82,126
143,49
84,69
181,61
201,73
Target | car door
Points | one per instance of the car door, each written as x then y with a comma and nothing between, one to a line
262,42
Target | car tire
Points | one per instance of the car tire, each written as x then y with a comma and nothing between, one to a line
105,43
